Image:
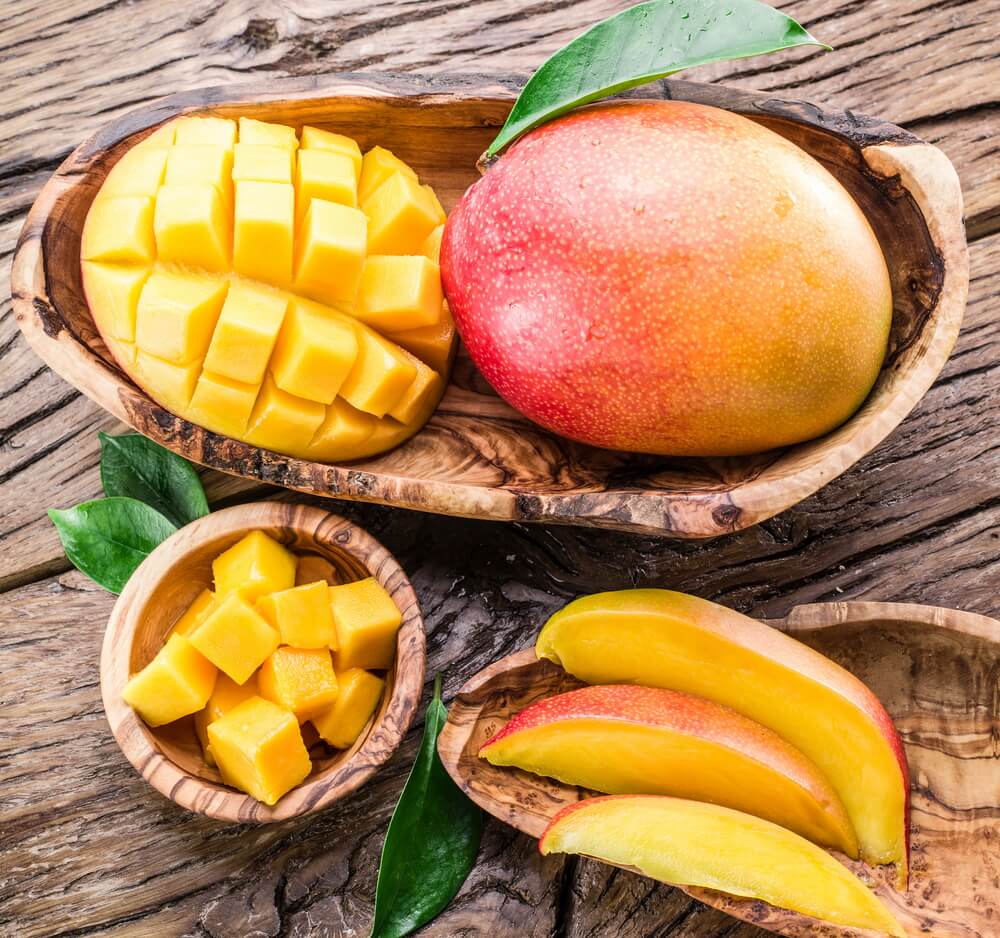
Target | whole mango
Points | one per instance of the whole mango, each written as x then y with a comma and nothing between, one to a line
667,277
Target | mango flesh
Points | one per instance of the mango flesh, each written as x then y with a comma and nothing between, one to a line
669,278
367,620
689,843
660,638
623,739
236,278
358,696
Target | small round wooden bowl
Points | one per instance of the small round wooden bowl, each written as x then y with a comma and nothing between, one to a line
170,757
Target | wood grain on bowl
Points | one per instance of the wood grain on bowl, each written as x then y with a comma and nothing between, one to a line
934,670
477,457
170,757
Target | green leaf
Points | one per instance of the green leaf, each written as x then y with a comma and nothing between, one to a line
135,466
108,538
431,843
643,43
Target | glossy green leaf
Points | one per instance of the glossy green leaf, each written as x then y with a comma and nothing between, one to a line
432,840
643,43
108,538
136,467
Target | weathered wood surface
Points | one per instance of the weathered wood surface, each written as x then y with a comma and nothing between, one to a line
85,847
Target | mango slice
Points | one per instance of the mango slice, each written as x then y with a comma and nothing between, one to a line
255,283
358,696
689,843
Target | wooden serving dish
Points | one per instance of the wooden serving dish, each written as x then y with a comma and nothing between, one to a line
935,670
477,457
170,757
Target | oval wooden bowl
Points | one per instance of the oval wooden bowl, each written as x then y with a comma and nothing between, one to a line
170,757
477,457
935,670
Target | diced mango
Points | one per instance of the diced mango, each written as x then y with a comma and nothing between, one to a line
431,248
330,252
262,232
203,604
399,293
321,174
191,224
177,314
263,163
380,376
117,291
342,432
302,615
161,138
299,679
315,139
221,404
246,333
201,165
263,133
235,637
437,209
358,696
388,433
213,131
284,417
254,565
420,397
258,747
174,383
400,216
119,230
312,567
225,695
367,620
434,344
377,166
178,681
314,354
138,172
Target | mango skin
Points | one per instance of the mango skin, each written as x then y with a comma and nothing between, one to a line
669,278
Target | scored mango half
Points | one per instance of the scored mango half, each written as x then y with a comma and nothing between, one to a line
279,290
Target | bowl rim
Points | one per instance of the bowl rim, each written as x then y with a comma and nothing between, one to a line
903,166
384,735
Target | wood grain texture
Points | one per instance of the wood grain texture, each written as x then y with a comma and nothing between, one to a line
170,758
84,849
933,670
477,457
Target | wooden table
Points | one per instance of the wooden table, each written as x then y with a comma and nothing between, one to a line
86,848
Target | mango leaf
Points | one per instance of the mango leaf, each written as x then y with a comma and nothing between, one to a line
108,538
432,840
643,43
136,467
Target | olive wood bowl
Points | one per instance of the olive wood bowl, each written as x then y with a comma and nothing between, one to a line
170,757
935,671
478,457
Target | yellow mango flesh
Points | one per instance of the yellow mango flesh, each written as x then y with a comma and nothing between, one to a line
258,748
366,620
302,615
689,843
205,240
254,565
235,638
299,679
193,616
225,695
178,681
358,696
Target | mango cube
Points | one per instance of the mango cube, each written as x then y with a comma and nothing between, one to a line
213,131
138,172
191,224
431,248
380,376
299,679
201,165
174,384
119,230
342,432
358,696
330,252
367,620
302,615
262,231
246,333
321,174
116,290
400,293
258,748
431,344
177,314
262,163
178,681
315,139
254,566
235,637
315,353
437,209
221,404
377,166
400,216
266,134
278,415
192,617
225,695
420,397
